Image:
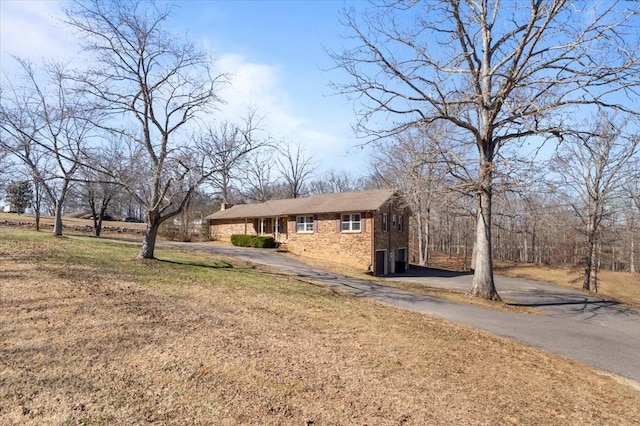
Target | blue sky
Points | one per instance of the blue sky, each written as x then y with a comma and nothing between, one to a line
274,51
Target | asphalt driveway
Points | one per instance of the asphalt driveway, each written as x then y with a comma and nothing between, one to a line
575,325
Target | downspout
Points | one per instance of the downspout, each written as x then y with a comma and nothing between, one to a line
372,252
390,229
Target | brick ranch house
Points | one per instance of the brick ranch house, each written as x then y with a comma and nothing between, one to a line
367,229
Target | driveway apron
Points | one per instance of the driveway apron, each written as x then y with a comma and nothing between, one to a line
575,325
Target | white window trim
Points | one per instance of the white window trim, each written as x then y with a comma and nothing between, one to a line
351,221
305,224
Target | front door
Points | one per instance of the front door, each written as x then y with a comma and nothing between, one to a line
401,264
380,262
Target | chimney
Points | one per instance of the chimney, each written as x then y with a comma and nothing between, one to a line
223,206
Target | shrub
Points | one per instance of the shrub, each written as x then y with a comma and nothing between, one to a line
242,240
264,242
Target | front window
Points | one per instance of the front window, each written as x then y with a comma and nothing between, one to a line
304,224
350,223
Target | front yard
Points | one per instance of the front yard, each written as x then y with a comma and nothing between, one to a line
91,336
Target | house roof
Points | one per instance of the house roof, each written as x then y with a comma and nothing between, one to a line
321,203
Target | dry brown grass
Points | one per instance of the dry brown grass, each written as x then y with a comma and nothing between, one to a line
621,286
93,337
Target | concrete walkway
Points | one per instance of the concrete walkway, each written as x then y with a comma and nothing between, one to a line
575,325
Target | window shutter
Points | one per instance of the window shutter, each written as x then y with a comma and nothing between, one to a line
315,223
339,223
363,222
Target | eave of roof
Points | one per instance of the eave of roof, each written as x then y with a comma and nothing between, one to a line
315,204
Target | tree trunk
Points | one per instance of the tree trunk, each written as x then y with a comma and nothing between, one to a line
57,226
483,285
632,254
97,226
591,257
420,240
37,204
427,233
149,240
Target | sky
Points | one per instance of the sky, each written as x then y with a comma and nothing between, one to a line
275,52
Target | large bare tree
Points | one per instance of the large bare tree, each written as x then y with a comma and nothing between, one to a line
497,72
154,86
591,170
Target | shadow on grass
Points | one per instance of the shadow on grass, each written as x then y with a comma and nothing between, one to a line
217,265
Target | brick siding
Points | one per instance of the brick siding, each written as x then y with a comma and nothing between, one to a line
223,229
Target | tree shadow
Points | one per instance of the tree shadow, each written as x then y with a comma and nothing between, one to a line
217,265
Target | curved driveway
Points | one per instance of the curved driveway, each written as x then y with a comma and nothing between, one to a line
575,325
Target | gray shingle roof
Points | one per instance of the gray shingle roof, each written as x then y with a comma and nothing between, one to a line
321,203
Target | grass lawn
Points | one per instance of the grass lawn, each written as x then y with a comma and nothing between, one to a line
91,336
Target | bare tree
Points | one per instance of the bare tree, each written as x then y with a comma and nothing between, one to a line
258,182
226,148
106,175
413,163
496,72
335,181
147,75
591,169
46,124
296,169
632,190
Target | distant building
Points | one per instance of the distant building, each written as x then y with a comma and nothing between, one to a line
9,208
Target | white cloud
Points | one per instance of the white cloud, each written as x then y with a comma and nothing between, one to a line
32,29
259,86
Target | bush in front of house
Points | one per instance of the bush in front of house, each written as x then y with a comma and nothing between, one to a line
242,240
264,242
